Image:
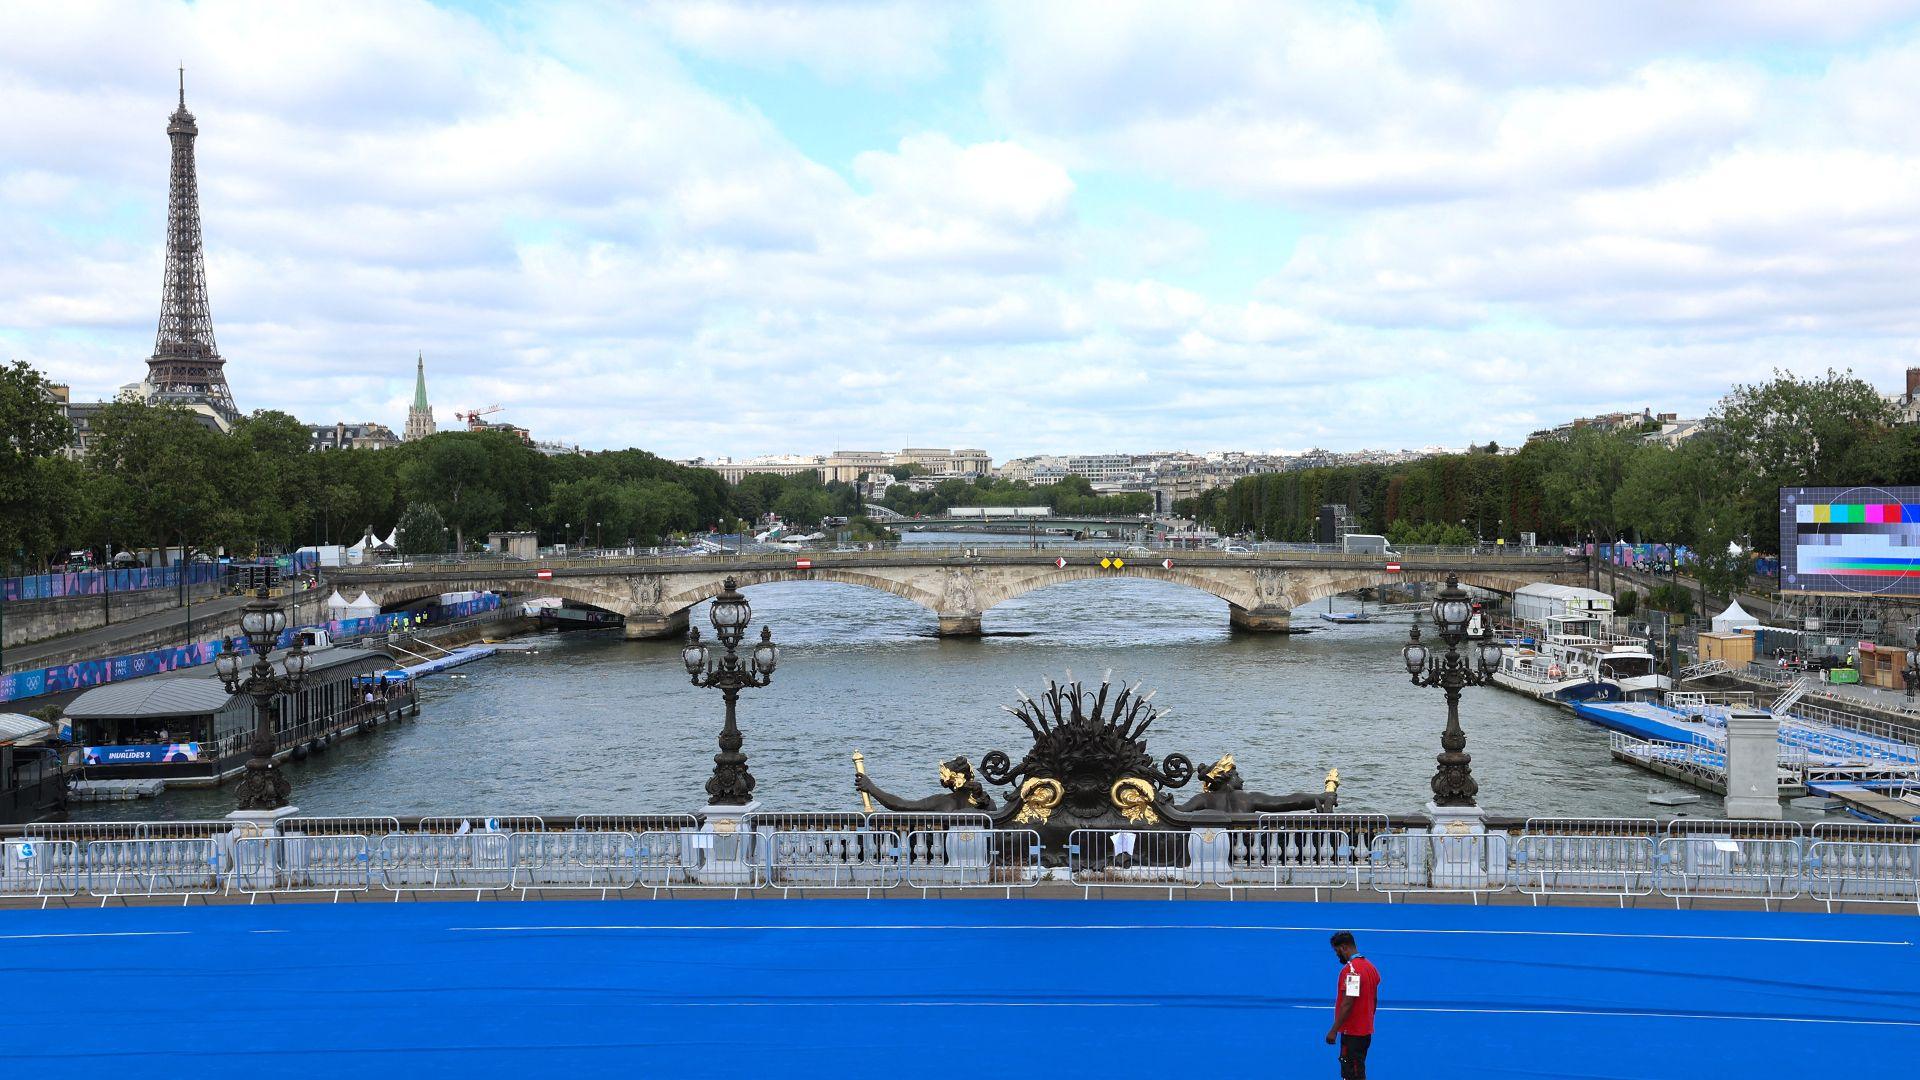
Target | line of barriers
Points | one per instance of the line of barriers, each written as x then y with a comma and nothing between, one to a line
506,857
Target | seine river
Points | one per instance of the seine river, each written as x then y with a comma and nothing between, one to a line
590,723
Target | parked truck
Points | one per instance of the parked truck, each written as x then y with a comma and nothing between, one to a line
1366,544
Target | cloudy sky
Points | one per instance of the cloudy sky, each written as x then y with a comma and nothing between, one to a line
740,228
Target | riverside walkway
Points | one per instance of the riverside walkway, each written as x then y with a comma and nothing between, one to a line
832,988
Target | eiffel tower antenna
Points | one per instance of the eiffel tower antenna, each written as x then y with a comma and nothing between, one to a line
186,367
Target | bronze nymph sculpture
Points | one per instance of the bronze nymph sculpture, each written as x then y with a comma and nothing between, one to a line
1222,791
964,792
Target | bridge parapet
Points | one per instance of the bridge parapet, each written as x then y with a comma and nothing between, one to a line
959,584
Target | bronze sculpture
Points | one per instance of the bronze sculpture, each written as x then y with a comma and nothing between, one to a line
964,792
1222,791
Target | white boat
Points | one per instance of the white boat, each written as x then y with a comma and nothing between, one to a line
1573,660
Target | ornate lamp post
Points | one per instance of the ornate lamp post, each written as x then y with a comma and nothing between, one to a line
263,788
731,783
1452,671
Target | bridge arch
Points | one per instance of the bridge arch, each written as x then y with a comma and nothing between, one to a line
674,603
1372,579
1223,589
407,592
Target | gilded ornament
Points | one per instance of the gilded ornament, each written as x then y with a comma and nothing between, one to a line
1038,798
1134,799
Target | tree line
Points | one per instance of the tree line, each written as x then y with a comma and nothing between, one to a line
156,476
1714,491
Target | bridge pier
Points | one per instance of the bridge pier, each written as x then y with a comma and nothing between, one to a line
1261,620
650,625
960,625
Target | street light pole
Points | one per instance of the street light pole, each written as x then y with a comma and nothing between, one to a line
1452,671
731,784
263,788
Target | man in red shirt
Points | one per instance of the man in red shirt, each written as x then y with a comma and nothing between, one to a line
1355,996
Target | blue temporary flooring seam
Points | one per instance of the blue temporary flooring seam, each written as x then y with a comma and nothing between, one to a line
851,988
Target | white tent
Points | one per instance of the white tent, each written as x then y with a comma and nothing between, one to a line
1733,619
392,540
337,606
362,607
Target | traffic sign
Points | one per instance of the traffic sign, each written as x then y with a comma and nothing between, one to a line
1106,564
1166,564
1060,563
1393,568
1118,563
543,575
803,564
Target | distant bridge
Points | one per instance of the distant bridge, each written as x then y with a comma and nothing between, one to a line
1261,589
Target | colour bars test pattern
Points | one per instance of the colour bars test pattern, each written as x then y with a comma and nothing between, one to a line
1850,540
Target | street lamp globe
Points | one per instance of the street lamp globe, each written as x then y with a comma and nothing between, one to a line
695,654
1415,653
295,663
730,609
1451,609
1490,652
766,655
227,663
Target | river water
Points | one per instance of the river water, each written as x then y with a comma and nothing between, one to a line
590,723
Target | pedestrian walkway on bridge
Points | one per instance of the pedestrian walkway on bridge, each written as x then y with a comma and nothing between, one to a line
827,988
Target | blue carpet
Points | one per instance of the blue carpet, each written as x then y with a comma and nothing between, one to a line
1039,989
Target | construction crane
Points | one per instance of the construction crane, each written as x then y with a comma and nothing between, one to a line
472,416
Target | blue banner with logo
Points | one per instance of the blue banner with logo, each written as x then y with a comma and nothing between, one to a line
152,754
90,673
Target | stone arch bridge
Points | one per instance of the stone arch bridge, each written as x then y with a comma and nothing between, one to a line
1261,590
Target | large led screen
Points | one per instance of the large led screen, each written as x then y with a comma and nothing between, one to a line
1850,540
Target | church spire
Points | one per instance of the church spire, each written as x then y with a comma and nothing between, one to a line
420,415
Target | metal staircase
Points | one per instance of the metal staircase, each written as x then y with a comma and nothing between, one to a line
1703,669
1797,690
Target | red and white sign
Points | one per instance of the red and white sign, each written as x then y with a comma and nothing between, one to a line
803,564
1060,564
543,575
1166,564
1393,568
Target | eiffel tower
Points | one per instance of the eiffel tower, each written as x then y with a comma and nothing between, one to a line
186,368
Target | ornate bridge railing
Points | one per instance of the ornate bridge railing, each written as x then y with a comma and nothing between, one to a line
1621,859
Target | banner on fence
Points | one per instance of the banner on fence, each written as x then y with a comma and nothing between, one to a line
90,673
96,582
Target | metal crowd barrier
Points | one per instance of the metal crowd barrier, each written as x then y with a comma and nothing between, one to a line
701,859
340,826
1864,871
595,861
173,867
1731,865
1618,858
833,859
327,863
43,870
635,823
475,862
1471,863
964,857
497,823
1169,859
1585,857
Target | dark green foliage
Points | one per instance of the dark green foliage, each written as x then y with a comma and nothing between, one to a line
1717,488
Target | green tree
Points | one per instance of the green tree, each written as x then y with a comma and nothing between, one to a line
422,530
453,473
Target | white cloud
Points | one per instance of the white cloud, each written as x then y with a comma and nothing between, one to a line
839,41
1483,226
